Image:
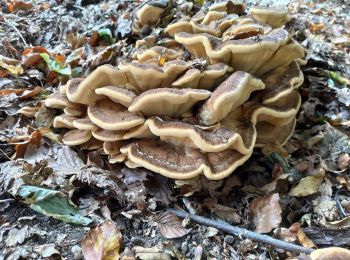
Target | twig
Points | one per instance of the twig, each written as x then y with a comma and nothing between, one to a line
242,232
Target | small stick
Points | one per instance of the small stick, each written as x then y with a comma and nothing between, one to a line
242,232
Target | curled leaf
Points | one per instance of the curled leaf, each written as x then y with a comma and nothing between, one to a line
102,242
170,226
308,185
54,65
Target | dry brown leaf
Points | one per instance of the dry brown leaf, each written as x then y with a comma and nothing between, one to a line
308,185
316,27
29,111
22,143
228,214
30,93
266,212
102,242
343,161
301,236
170,225
150,253
285,235
343,223
14,5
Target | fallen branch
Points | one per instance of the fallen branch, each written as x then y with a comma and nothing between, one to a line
242,232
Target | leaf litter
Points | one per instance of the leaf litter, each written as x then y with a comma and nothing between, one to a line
303,198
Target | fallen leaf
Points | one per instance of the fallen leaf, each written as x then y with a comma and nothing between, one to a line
13,69
308,185
228,214
343,161
170,226
15,5
30,93
316,27
152,253
103,242
266,212
52,203
22,143
343,223
55,65
29,111
301,236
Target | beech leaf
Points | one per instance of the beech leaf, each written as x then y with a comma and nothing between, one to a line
170,226
308,185
103,242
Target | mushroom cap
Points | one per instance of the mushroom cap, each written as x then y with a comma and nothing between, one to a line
149,14
112,116
242,31
179,26
83,92
281,82
248,55
167,101
149,75
76,137
155,52
64,121
230,7
118,158
108,135
182,162
215,139
112,147
57,100
276,17
92,144
75,111
268,135
230,94
330,253
84,124
278,113
117,94
209,78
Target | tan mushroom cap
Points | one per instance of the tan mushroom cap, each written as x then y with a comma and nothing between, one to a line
117,94
215,139
207,79
59,101
179,26
62,89
75,111
108,135
248,55
278,113
149,14
149,75
276,17
268,135
281,82
64,121
243,31
76,137
92,144
118,158
230,7
230,94
167,101
112,116
330,253
182,162
155,52
84,92
84,124
112,147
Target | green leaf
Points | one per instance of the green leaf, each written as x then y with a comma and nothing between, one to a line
106,35
54,65
335,76
52,203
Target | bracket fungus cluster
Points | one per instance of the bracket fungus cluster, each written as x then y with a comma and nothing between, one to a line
224,83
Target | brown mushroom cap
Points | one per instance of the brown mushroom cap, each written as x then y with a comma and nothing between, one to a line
111,116
64,121
278,113
84,124
276,17
92,144
117,94
330,253
149,14
248,55
149,75
179,26
155,52
83,92
167,101
209,78
57,100
182,162
232,93
268,134
216,139
117,158
281,82
108,135
112,147
76,137
242,31
75,111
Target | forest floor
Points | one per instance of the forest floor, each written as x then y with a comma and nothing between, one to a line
301,194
